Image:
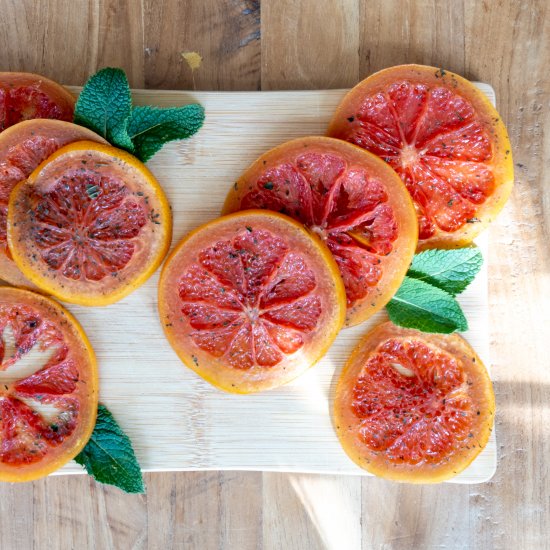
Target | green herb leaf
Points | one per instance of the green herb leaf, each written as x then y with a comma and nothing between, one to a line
449,270
92,190
109,456
104,106
151,127
419,305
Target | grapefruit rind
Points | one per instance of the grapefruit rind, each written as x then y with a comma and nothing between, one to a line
502,163
398,261
347,425
49,129
44,278
64,100
214,370
81,346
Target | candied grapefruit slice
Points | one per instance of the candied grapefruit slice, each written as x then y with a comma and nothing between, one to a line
355,202
48,386
412,406
89,225
250,301
25,96
445,140
22,148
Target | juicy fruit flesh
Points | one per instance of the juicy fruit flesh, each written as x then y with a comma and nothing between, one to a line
434,140
84,225
38,410
17,165
27,102
250,300
412,402
342,203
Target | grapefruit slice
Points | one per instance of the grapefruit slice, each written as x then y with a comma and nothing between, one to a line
412,406
445,140
89,225
352,200
24,96
48,386
250,301
22,148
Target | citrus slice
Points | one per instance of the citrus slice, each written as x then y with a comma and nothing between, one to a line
445,140
412,406
48,386
89,225
22,148
250,301
24,96
352,200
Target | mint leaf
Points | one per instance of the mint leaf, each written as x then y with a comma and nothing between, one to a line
424,307
120,138
449,270
109,456
104,106
151,127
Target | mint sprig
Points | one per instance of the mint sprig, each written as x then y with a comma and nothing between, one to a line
426,299
449,270
424,307
109,456
105,106
150,128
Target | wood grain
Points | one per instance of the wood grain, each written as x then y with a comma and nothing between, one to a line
205,510
520,274
76,32
325,507
310,44
228,31
427,32
505,43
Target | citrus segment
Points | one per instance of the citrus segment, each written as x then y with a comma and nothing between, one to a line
22,148
412,406
353,201
48,386
444,139
250,301
25,96
89,225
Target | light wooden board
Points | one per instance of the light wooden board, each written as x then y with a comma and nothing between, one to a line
175,419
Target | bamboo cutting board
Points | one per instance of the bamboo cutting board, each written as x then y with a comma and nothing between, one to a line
176,420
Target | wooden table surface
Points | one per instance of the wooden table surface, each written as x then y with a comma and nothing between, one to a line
292,44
